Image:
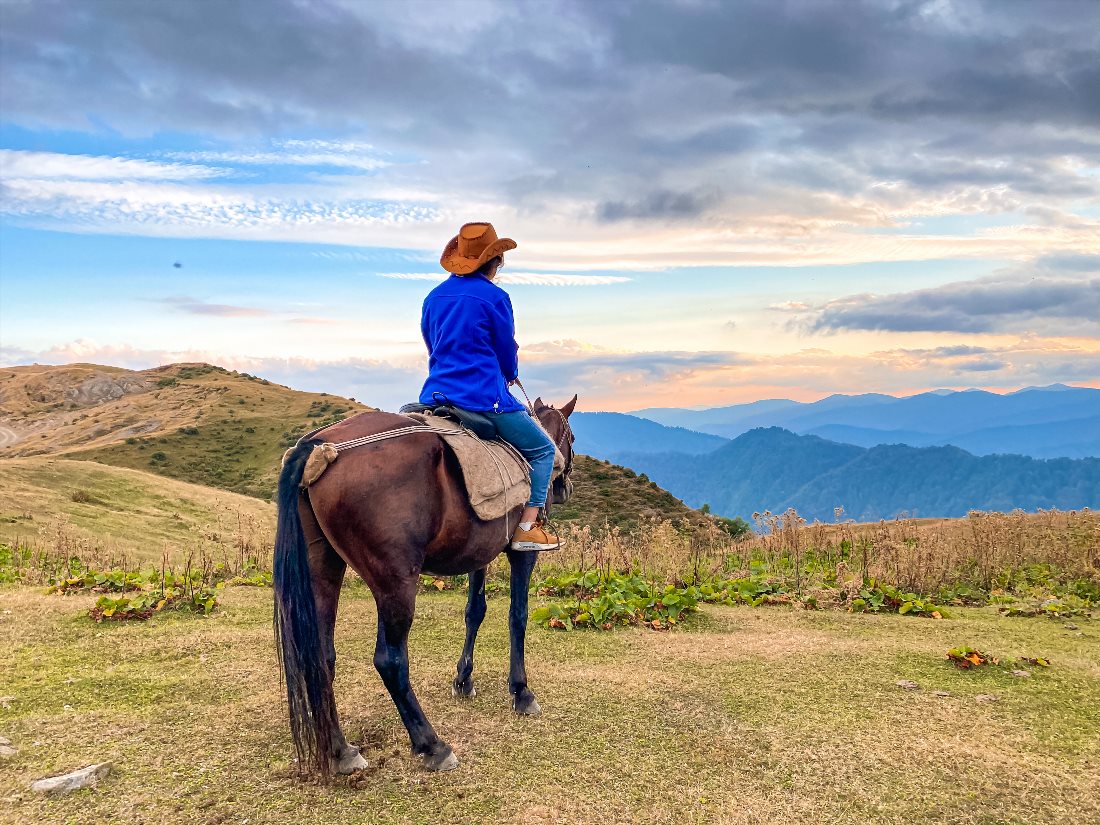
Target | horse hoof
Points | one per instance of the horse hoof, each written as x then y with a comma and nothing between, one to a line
528,707
464,692
350,761
440,762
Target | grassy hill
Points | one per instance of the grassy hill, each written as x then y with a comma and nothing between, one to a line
206,425
606,492
59,503
193,422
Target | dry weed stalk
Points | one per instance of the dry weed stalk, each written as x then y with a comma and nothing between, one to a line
922,555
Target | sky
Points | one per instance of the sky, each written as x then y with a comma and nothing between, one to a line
714,202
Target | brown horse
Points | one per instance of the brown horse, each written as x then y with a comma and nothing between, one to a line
391,510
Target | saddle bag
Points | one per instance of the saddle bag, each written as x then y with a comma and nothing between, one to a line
479,424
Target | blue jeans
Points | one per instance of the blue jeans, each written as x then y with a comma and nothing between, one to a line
525,434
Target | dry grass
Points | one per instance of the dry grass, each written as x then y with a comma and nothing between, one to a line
105,515
767,715
921,555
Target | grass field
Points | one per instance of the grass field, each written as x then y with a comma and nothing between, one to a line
67,506
754,715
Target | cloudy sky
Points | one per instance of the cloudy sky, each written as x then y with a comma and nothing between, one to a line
714,202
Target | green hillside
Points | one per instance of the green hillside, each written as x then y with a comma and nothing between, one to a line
236,440
606,492
207,425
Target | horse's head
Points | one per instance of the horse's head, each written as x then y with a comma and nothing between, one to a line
556,422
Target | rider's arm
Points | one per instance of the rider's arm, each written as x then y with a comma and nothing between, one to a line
424,332
504,338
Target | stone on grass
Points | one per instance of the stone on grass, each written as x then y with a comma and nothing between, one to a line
1021,674
4,740
83,778
1069,626
7,752
987,697
908,684
941,693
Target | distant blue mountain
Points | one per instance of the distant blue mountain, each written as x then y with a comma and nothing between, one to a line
601,434
1041,422
1077,438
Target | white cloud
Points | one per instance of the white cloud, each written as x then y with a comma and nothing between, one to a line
18,164
343,153
153,207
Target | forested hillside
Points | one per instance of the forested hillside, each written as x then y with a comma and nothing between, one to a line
773,469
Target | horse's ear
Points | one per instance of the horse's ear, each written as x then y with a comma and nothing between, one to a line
567,410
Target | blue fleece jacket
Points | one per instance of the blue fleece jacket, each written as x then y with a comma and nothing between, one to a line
470,331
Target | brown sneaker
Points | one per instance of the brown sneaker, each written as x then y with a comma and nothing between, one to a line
537,538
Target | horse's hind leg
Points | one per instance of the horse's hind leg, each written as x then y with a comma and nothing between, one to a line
326,571
463,684
523,700
396,601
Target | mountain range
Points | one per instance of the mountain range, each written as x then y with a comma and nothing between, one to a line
1041,422
775,469
939,453
207,425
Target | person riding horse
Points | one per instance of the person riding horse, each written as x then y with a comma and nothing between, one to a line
469,329
396,506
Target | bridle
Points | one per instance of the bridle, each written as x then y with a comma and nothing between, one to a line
564,441
566,431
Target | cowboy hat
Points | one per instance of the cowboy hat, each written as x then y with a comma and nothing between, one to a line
474,244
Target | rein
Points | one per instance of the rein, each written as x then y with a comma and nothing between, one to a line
565,428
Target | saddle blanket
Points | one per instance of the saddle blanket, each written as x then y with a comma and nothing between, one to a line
496,475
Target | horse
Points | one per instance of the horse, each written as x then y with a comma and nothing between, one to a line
390,510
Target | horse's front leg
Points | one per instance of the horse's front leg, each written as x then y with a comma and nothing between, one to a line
463,684
391,657
523,700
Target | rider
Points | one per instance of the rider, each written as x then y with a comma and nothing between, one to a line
469,328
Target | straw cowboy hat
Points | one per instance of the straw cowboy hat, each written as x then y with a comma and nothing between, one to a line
474,244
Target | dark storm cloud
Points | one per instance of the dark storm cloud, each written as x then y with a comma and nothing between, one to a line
1057,293
984,365
987,305
952,352
597,372
223,67
661,204
630,108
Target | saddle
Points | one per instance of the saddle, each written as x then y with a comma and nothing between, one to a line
496,476
479,424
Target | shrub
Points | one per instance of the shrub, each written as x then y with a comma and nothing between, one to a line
143,605
875,598
600,601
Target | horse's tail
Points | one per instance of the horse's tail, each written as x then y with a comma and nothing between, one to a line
313,719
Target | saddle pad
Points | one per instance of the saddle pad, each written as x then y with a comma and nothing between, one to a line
497,477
